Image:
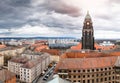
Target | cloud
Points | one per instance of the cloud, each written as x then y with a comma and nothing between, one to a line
60,7
114,1
57,17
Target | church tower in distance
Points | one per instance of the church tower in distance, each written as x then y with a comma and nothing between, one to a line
88,33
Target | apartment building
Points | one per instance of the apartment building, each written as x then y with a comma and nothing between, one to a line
87,70
28,66
15,63
12,51
33,68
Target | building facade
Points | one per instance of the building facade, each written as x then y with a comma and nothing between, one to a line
15,63
117,70
29,66
12,51
88,33
33,68
1,60
88,70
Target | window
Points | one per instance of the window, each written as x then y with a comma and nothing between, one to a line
60,71
109,78
101,79
113,77
74,81
105,68
88,81
83,81
83,70
105,73
88,70
105,79
69,76
88,75
92,70
101,74
97,80
97,69
74,76
83,76
74,71
97,75
109,68
101,69
78,70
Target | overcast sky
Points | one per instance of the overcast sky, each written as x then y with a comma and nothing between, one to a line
53,18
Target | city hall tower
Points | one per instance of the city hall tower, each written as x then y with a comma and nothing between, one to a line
88,33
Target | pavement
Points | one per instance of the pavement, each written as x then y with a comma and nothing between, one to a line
49,77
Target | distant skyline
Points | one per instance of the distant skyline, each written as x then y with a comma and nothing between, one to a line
62,18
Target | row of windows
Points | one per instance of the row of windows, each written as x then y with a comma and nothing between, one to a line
85,76
90,70
93,81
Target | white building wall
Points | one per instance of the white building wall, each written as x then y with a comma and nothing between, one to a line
1,60
14,67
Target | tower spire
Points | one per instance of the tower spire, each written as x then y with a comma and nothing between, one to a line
87,12
88,15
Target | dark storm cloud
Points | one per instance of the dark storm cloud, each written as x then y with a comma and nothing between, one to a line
60,7
20,3
13,12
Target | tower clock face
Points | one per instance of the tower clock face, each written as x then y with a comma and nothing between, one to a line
88,23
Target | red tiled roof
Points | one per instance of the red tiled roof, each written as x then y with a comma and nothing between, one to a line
84,55
39,48
115,53
51,51
86,63
40,41
79,46
2,46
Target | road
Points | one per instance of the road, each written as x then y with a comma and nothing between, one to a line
47,76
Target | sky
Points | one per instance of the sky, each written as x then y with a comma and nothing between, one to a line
58,18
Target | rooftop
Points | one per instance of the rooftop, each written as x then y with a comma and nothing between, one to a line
30,64
86,63
51,51
10,48
20,59
84,54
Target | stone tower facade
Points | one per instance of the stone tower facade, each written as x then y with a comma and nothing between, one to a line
88,33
